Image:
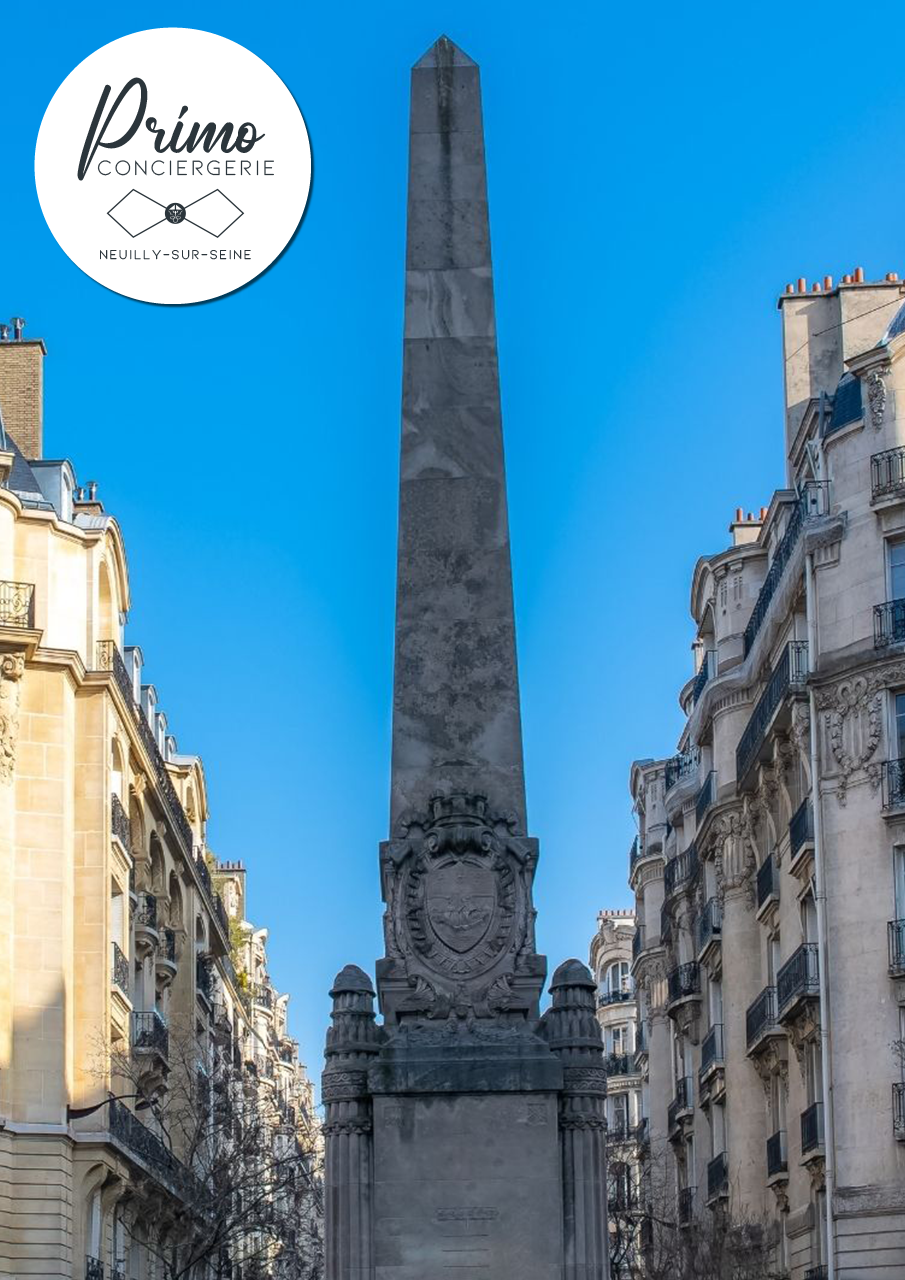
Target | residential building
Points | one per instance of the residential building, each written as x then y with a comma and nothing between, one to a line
124,981
769,870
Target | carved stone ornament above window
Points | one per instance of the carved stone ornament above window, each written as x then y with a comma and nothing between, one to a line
12,666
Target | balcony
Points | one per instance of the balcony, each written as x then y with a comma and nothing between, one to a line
680,767
109,658
665,926
767,885
761,1023
820,1272
898,1111
706,671
605,997
146,923
812,1130
637,943
120,971
789,675
709,927
140,1141
717,1178
711,1053
17,605
619,1064
685,1206
682,1104
94,1269
887,474
641,1133
149,1033
634,853
680,870
895,936
813,501
204,979
777,1156
797,980
684,983
893,778
889,623
705,797
264,996
801,831
640,1040
120,826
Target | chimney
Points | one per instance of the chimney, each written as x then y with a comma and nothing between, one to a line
22,388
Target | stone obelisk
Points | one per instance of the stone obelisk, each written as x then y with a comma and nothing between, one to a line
465,1134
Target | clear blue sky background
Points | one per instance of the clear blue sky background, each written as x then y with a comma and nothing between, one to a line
656,175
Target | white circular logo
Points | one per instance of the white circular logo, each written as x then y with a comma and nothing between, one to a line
173,165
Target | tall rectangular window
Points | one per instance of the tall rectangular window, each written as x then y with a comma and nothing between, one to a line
900,725
896,564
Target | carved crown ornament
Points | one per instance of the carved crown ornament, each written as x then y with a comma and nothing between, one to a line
12,667
734,850
853,723
459,918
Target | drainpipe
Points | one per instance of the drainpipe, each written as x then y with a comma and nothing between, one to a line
829,1128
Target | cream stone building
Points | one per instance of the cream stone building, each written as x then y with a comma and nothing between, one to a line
769,870
114,939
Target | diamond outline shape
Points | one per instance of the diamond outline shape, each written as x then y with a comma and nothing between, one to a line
134,234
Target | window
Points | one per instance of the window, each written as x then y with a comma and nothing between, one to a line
898,872
895,555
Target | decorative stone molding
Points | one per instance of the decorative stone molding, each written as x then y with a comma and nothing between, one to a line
877,395
853,723
770,1062
735,855
12,667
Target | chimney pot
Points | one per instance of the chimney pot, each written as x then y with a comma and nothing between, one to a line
802,285
790,288
859,275
827,282
892,276
4,333
739,513
816,287
18,325
846,279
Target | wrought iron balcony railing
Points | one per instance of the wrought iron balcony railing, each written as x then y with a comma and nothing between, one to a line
777,1157
203,977
706,671
168,945
119,823
681,869
682,1103
618,995
149,1033
120,970
761,1016
142,1142
898,1109
801,827
94,1268
711,1051
634,852
263,995
893,779
619,1064
109,658
705,797
686,1206
684,981
146,911
17,605
820,1272
895,933
889,623
637,942
164,781
812,1128
798,979
813,501
718,1177
790,672
709,924
680,767
887,473
767,882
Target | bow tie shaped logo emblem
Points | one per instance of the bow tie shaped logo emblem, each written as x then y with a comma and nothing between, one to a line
137,213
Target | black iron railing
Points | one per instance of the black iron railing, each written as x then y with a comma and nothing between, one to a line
684,981
767,881
619,1064
168,945
119,823
635,852
682,1102
717,1176
686,1206
164,781
887,472
146,911
761,1016
109,658
791,671
798,979
812,501
820,1272
681,869
895,934
706,671
709,924
94,1268
145,1144
637,942
889,623
264,995
801,828
777,1157
120,970
893,779
203,977
705,796
681,767
17,605
149,1033
665,926
640,1041
812,1128
711,1050
898,1109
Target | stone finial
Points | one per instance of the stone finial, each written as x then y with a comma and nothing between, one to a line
570,1026
351,979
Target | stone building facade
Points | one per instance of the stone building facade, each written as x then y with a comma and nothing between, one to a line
769,869
114,938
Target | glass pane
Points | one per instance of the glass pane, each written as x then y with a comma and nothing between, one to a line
900,724
897,570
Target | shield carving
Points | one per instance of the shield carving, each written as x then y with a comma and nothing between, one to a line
460,899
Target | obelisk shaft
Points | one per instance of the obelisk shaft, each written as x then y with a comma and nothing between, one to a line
456,720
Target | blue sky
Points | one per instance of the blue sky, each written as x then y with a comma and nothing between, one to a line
656,175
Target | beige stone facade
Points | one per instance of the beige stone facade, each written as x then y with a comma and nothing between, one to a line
113,930
769,870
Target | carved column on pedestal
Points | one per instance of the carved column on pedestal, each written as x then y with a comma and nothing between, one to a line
352,1043
572,1031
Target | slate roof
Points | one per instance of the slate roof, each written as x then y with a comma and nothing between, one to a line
22,480
897,327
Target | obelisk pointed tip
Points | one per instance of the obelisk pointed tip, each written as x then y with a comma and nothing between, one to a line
443,53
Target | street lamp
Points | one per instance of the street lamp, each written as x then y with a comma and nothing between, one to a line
79,1113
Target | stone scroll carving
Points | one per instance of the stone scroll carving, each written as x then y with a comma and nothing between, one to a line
877,396
12,666
853,724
